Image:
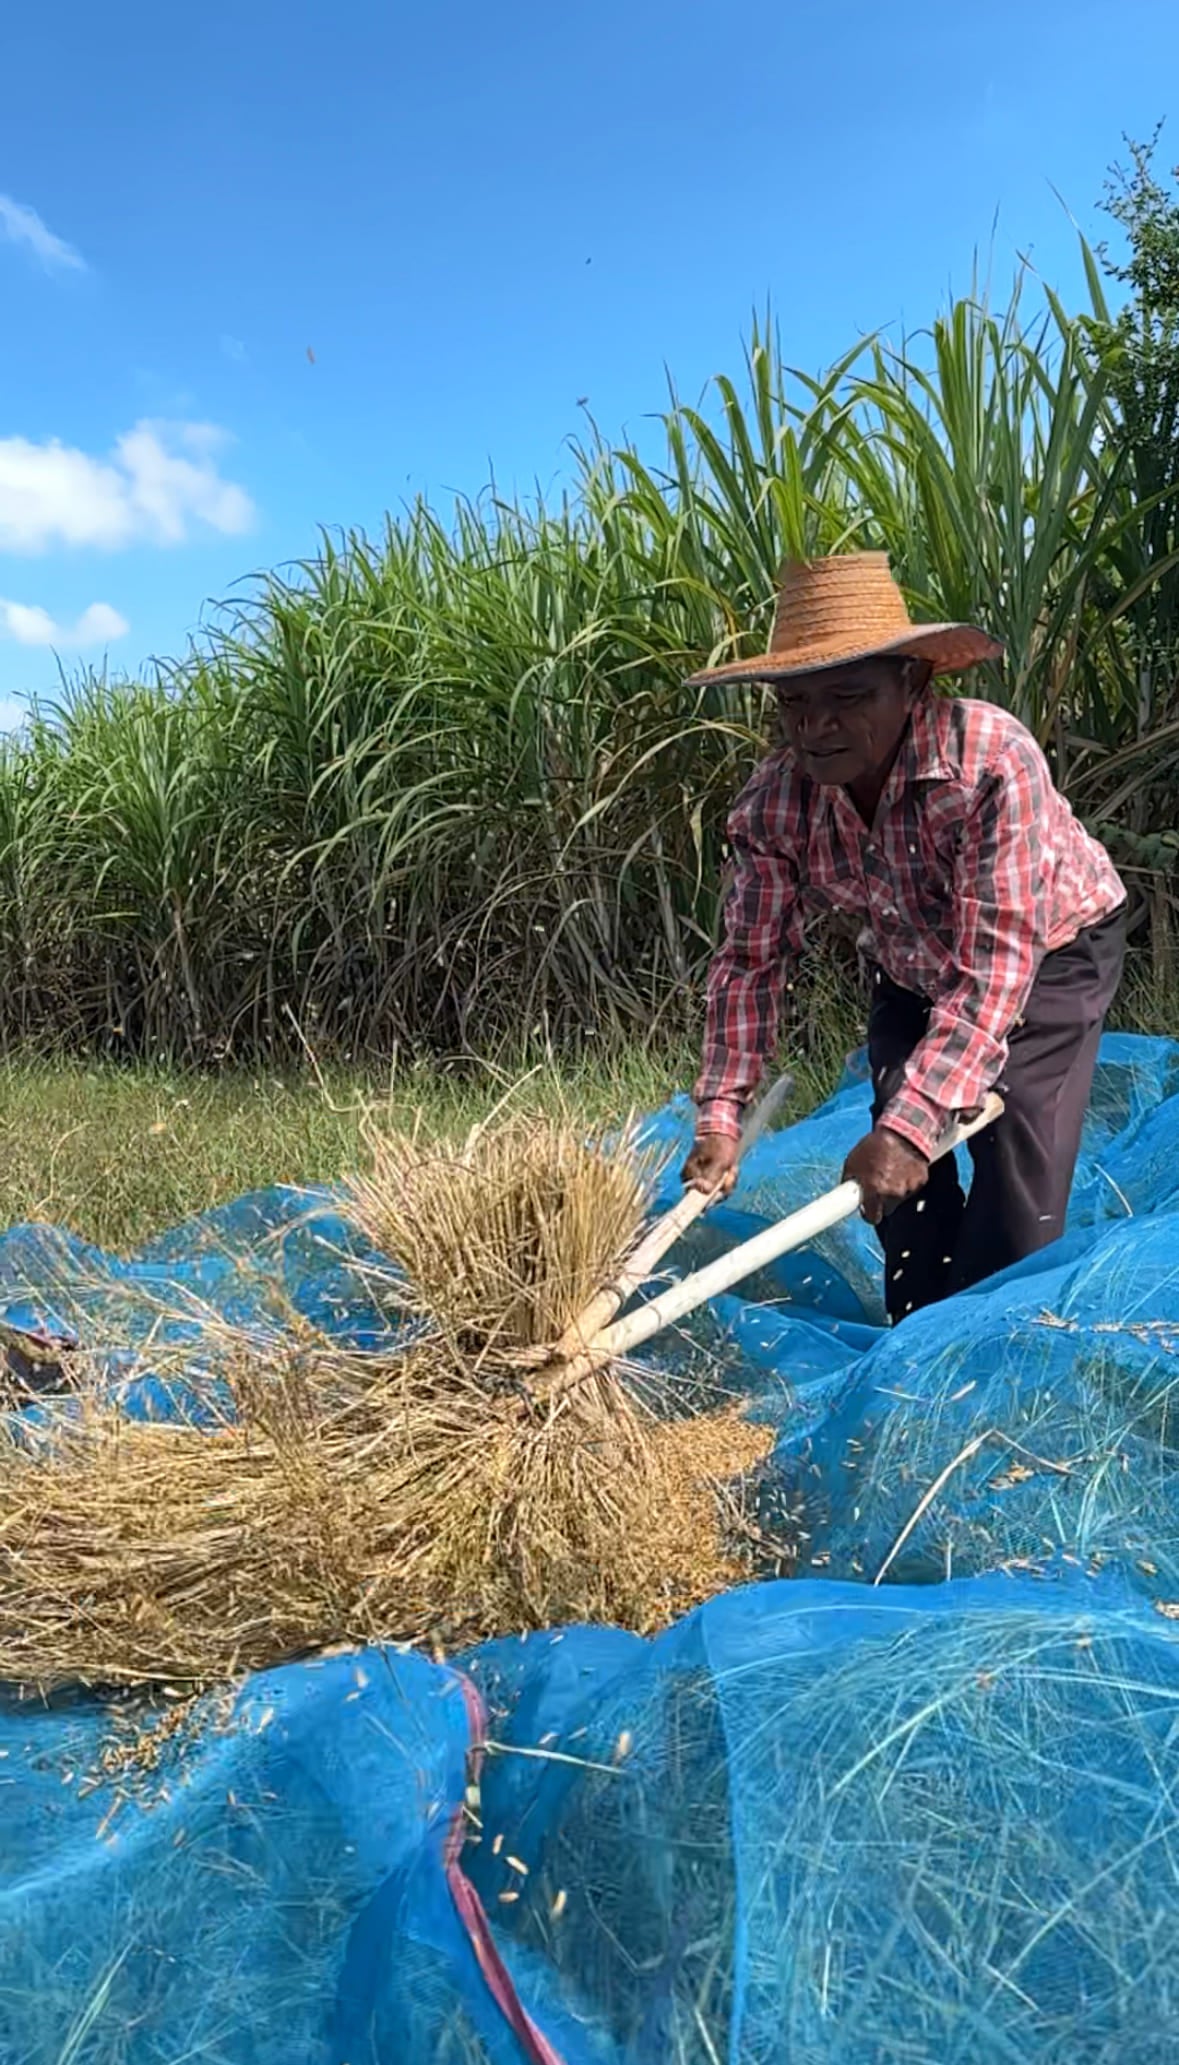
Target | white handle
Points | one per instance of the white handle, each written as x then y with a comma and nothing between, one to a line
645,1258
792,1232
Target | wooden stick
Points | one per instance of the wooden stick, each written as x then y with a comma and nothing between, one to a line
645,1258
792,1232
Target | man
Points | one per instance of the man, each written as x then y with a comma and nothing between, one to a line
995,927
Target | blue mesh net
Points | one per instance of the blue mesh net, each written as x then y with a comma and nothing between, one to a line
910,1804
817,1823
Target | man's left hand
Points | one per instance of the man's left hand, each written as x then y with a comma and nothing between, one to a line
887,1170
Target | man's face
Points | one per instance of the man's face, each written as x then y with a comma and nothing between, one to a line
845,725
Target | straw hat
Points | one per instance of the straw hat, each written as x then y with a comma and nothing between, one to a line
831,611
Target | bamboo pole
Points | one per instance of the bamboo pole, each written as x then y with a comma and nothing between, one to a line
794,1231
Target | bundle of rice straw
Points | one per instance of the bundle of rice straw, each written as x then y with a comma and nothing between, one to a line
503,1239
345,1498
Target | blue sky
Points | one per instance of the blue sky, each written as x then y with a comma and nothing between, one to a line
268,267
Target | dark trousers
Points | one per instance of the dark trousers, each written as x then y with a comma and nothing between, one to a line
943,1241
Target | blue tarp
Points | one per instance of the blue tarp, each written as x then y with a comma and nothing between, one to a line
824,1819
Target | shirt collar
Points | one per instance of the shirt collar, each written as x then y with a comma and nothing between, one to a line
922,757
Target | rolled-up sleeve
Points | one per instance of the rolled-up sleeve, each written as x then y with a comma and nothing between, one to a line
762,936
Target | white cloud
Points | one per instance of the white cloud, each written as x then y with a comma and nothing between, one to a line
160,481
28,624
21,225
234,350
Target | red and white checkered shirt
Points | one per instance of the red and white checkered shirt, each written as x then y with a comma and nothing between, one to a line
973,869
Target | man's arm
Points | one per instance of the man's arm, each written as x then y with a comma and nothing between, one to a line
762,936
1000,881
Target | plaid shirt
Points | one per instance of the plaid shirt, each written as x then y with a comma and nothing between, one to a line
973,869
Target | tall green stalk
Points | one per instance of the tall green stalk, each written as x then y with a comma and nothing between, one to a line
446,786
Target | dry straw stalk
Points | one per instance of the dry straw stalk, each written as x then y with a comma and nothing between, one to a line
411,1497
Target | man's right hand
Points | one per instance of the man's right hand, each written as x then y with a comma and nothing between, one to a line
712,1164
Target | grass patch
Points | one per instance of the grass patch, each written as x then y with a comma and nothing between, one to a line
119,1153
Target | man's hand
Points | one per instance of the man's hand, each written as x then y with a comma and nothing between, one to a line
712,1164
887,1170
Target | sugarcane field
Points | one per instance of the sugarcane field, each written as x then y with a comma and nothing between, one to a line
589,1071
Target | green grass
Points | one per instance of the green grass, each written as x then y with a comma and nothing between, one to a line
118,1152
